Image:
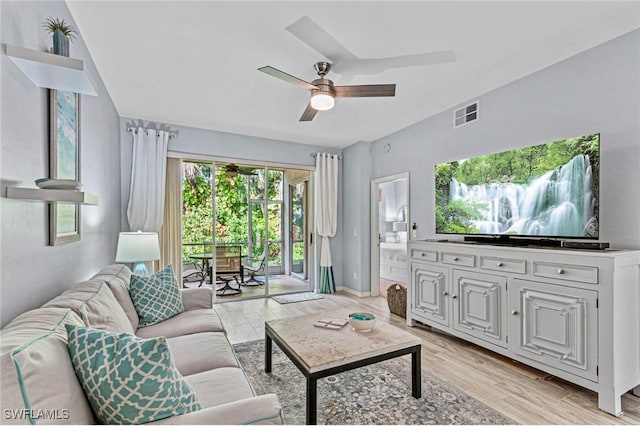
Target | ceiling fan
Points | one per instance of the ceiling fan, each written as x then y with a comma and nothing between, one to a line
233,170
344,62
323,91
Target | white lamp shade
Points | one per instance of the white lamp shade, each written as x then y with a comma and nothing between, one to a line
138,247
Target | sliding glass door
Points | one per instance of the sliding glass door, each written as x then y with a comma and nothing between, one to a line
245,229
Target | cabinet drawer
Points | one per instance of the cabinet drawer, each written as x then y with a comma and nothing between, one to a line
518,266
418,254
585,274
459,259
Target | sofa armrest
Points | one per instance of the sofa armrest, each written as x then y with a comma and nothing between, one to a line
197,298
263,409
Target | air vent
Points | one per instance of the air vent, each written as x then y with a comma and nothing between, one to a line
465,115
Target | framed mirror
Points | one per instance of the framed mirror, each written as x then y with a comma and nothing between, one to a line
64,162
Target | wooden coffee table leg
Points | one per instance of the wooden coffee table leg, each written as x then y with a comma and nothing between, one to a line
416,374
267,353
312,398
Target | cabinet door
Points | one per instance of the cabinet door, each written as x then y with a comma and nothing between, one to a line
479,305
429,290
555,325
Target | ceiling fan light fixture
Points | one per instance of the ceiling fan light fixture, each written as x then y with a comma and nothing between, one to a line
322,101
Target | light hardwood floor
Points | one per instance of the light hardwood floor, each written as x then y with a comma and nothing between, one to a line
524,394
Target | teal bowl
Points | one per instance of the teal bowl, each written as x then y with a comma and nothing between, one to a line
362,321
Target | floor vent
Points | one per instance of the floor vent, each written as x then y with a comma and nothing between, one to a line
465,115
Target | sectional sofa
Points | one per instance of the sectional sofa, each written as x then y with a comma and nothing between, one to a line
39,384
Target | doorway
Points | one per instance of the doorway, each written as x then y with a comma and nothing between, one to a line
244,228
389,232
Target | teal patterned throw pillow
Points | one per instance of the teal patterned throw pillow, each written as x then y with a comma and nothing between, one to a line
128,380
156,297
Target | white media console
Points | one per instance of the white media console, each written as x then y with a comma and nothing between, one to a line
572,313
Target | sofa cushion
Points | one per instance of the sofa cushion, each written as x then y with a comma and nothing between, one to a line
220,386
96,305
197,298
128,379
157,297
195,353
188,322
37,375
117,278
261,410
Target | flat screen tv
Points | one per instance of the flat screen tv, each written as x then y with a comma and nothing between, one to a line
546,191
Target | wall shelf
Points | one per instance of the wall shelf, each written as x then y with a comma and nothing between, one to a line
52,195
51,71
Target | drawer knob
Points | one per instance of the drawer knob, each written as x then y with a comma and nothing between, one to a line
455,296
423,254
560,271
499,263
455,259
445,293
514,312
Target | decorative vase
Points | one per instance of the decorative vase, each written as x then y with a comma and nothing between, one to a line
60,43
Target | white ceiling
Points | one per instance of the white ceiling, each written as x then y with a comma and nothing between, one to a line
194,63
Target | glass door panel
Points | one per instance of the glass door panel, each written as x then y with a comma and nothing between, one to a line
257,184
197,223
255,271
275,238
256,238
298,230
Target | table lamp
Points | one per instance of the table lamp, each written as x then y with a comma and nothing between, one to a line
138,247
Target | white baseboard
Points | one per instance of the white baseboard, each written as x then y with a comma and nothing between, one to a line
353,292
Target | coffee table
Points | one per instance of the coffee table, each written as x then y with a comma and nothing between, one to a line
320,352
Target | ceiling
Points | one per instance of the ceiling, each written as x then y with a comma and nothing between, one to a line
195,63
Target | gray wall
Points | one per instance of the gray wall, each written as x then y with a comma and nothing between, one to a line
202,142
595,91
356,238
31,271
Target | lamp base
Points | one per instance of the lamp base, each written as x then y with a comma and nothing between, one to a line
140,269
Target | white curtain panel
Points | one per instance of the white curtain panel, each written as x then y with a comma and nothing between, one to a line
326,201
148,170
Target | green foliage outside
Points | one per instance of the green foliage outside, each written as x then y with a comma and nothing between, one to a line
232,209
516,166
197,214
297,224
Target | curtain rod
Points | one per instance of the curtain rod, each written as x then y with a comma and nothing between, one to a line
314,155
172,135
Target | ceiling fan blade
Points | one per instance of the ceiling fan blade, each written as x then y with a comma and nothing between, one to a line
365,90
274,72
378,65
314,36
308,113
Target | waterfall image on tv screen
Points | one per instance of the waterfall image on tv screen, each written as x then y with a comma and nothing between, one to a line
548,190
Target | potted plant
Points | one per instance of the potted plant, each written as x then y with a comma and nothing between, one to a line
62,33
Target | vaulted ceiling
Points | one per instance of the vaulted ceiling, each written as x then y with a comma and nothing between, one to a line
195,63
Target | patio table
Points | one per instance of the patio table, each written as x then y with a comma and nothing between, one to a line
227,289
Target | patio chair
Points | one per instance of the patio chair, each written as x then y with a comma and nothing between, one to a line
192,273
254,266
228,267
